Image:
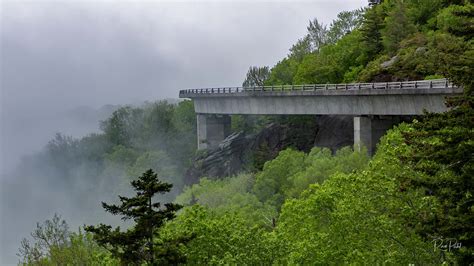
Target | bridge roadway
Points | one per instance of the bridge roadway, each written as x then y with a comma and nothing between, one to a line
375,107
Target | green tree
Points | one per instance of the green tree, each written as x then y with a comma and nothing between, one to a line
359,217
256,76
345,23
136,245
371,31
443,144
54,244
284,71
300,49
397,27
318,34
123,126
52,234
333,61
221,239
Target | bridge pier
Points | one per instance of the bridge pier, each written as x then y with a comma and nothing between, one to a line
212,129
369,129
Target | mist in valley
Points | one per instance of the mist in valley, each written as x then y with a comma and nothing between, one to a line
67,66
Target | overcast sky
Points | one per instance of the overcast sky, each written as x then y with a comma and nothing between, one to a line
57,55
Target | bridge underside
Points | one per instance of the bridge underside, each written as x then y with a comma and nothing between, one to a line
213,129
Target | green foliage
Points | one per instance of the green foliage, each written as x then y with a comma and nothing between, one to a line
358,218
54,244
333,61
397,27
441,148
256,76
318,34
292,172
154,160
124,124
272,181
300,49
371,31
421,12
457,20
136,245
220,238
233,194
346,22
284,71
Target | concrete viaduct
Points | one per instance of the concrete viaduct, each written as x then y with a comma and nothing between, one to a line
375,107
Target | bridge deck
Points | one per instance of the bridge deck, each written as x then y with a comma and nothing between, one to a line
387,98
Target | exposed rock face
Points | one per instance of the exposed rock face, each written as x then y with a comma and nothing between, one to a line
389,63
240,152
334,132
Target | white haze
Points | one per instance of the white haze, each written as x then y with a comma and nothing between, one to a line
62,61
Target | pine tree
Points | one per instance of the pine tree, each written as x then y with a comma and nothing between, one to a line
443,144
371,31
135,245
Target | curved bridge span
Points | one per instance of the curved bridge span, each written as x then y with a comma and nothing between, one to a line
374,106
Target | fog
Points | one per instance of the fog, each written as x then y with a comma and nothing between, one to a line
66,64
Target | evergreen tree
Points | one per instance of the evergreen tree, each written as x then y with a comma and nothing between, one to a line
136,244
397,27
371,31
443,145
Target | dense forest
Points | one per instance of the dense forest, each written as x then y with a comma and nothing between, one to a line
410,203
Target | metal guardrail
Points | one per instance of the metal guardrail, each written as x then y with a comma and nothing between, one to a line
419,84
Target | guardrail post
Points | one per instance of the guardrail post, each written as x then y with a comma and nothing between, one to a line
416,83
314,87
446,83
431,84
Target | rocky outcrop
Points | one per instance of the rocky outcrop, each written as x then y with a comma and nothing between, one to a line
240,152
389,63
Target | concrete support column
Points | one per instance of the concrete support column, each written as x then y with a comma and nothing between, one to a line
212,129
369,130
363,133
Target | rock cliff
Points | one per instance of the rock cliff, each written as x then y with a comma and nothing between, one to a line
241,152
